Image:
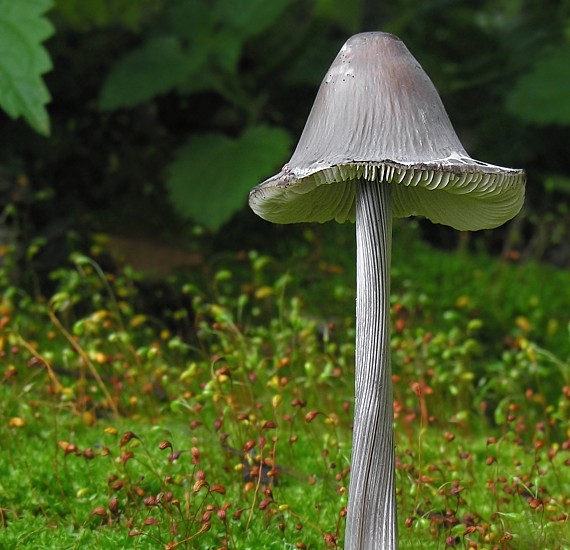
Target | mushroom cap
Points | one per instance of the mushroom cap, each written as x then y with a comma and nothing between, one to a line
377,116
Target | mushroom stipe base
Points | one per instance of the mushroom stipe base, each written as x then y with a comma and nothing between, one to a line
372,477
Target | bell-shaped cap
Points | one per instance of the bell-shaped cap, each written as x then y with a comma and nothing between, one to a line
377,116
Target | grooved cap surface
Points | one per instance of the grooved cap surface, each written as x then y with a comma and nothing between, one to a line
377,116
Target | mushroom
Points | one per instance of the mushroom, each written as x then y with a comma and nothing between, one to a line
378,143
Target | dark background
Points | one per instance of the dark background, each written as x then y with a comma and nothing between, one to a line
144,90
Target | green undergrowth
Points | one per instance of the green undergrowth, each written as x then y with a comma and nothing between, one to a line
226,422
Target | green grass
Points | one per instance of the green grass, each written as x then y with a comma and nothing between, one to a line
227,424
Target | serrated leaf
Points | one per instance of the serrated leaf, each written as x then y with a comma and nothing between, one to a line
23,61
211,175
157,67
542,96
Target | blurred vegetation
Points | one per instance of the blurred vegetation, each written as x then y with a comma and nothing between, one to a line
212,406
223,418
169,111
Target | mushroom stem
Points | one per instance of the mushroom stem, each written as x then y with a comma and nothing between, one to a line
371,515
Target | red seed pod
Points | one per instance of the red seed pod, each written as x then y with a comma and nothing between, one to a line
264,503
114,505
195,424
330,540
449,437
150,501
221,514
552,452
450,541
71,448
99,511
125,457
195,455
165,445
127,436
117,485
198,485
409,521
535,503
150,521
200,475
490,460
217,488
311,415
88,453
174,456
206,516
455,490
204,528
269,425
225,370
248,446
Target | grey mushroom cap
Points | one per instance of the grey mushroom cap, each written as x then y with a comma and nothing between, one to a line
378,117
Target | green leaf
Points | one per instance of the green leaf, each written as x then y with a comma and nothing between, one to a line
23,60
211,175
542,96
157,67
250,17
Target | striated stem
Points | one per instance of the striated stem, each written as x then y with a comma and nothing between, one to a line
371,516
